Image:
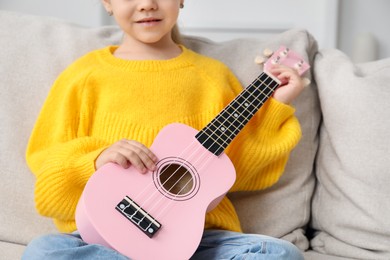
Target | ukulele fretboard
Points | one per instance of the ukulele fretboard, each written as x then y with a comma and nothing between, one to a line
218,134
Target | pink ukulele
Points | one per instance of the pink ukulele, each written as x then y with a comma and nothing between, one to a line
160,215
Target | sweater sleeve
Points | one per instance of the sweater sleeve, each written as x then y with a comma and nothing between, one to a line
60,153
261,150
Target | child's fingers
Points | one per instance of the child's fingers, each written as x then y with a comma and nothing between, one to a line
118,158
139,156
128,152
141,161
278,69
284,75
143,149
291,84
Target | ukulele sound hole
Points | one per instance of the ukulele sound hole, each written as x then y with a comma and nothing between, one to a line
176,179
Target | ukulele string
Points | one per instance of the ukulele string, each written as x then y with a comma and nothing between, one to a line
205,153
265,97
154,191
179,156
157,189
176,159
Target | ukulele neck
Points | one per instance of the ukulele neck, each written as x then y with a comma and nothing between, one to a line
218,134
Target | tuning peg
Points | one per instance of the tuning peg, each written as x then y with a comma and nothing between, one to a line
284,52
268,52
299,65
259,60
276,60
306,82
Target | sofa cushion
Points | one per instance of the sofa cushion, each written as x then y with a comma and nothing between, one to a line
11,251
35,50
351,206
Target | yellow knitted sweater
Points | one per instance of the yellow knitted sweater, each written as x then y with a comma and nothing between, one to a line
101,99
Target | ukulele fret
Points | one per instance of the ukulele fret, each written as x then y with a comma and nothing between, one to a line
221,131
218,134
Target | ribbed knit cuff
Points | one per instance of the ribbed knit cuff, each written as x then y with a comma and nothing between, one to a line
274,113
85,167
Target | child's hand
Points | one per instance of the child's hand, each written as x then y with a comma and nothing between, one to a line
128,152
292,84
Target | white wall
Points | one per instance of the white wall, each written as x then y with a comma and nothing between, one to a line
356,18
84,12
227,19
359,18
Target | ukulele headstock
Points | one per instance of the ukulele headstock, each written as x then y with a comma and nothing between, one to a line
283,56
286,57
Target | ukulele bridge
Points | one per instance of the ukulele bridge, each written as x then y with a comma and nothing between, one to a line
138,216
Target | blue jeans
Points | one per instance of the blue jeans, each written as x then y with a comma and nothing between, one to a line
215,244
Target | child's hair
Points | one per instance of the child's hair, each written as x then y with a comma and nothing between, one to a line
176,37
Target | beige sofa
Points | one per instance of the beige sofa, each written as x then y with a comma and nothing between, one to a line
333,201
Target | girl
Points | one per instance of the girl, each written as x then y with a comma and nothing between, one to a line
108,107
